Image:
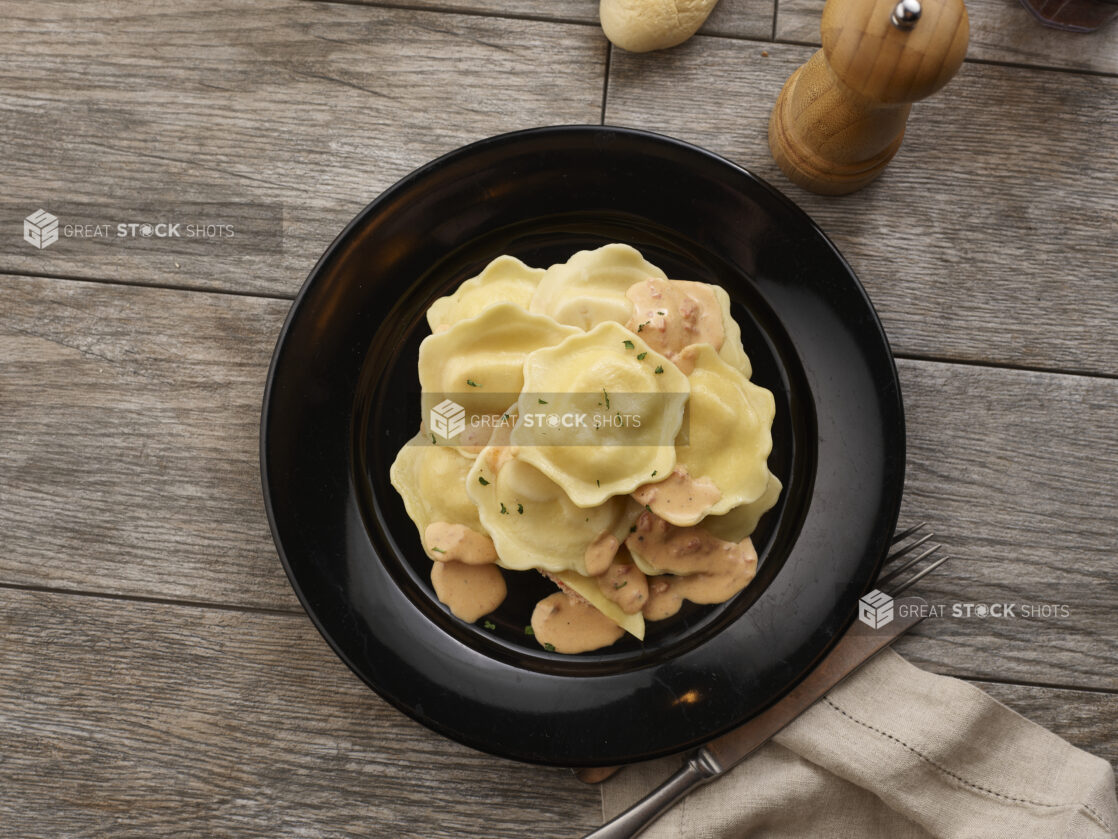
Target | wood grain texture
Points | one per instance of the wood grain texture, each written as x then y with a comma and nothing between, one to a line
1001,30
1083,718
1015,471
127,719
285,117
129,415
121,719
741,18
128,465
990,237
129,428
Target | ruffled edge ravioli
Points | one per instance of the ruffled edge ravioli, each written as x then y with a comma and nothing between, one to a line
504,280
740,522
479,362
589,288
590,366
732,351
724,446
532,521
516,332
431,481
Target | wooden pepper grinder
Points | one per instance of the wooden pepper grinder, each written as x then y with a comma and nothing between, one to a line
841,116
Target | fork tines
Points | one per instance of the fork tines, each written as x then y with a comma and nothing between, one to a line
907,547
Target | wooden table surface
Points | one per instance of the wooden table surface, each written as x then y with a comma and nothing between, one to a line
157,675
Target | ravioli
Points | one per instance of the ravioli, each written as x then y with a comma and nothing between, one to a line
731,351
631,398
740,522
725,446
531,520
478,363
594,422
431,481
504,280
589,288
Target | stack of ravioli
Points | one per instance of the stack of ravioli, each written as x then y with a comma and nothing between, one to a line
647,501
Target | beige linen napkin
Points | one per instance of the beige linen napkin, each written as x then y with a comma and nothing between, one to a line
897,753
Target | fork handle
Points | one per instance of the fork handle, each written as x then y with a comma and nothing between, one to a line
701,767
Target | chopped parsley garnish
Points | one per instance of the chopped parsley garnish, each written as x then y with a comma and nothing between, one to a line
628,344
643,325
659,368
549,647
648,508
640,356
481,480
504,509
529,631
520,509
543,401
661,313
472,383
433,441
438,550
606,395
506,417
622,584
490,625
654,471
599,483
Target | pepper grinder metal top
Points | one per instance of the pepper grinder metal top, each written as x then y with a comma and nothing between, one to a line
906,13
841,116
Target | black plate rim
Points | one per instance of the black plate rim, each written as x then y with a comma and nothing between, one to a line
559,132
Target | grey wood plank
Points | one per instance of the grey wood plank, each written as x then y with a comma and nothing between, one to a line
1015,472
129,423
124,719
1000,30
741,18
990,237
128,465
281,117
1083,718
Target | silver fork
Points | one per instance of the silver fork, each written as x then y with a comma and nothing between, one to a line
703,766
902,551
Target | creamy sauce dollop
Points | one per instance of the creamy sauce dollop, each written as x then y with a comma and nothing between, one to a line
626,585
672,314
679,495
572,626
448,542
470,591
697,566
600,553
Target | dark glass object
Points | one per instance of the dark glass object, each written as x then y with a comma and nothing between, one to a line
1073,15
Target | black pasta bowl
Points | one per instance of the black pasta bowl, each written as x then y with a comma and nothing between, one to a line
342,398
